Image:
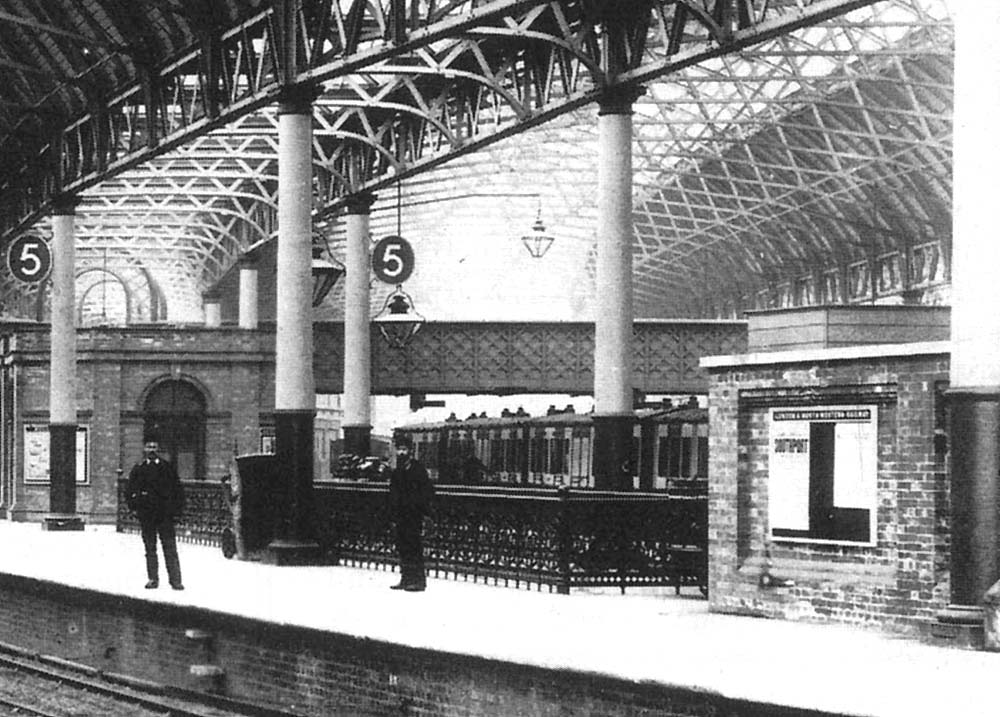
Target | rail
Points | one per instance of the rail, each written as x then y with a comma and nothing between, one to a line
206,512
558,539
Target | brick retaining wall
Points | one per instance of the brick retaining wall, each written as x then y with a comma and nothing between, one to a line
311,673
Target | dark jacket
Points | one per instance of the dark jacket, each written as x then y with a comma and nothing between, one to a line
154,491
410,491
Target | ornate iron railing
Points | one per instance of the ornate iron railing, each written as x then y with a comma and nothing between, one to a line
206,512
559,539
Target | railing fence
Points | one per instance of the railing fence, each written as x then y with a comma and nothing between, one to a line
525,537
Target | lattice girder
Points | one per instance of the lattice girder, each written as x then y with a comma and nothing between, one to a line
236,69
786,149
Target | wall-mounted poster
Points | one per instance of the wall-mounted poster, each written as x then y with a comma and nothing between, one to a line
267,440
36,454
823,473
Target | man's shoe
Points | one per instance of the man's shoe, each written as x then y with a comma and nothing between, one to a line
152,585
414,588
176,586
398,586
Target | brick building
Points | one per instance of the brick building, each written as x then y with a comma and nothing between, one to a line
207,393
829,484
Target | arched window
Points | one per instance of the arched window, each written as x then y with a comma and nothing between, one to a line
175,414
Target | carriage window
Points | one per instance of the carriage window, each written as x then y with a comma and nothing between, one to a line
557,463
674,450
483,445
580,466
702,439
537,455
496,454
686,441
668,460
427,452
516,451
175,413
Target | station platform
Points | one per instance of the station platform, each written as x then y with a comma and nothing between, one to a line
639,637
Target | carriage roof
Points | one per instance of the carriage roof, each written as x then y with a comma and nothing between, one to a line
676,414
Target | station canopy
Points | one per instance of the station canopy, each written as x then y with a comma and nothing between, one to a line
785,152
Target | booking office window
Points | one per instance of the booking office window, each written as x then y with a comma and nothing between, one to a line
823,473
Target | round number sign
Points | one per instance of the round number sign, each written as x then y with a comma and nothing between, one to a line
392,260
29,258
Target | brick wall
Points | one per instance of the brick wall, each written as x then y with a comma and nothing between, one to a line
897,584
314,673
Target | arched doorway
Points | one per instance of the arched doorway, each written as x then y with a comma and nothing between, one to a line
175,414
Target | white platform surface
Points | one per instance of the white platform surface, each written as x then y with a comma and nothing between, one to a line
639,637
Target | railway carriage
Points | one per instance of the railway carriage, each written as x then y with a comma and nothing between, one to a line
669,449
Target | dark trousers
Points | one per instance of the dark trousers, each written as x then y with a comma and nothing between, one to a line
164,529
410,545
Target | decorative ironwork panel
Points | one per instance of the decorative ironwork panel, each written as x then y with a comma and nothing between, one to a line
627,540
523,537
515,536
206,513
667,353
526,357
568,358
496,362
353,524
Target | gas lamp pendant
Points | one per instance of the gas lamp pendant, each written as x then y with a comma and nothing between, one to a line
538,241
398,321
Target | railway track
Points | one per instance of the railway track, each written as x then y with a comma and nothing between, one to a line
33,685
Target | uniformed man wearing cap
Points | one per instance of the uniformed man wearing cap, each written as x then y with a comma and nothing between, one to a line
410,495
155,493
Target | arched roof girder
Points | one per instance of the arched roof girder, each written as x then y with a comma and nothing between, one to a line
722,205
85,285
831,150
263,54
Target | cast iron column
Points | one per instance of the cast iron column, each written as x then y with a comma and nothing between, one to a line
62,374
974,398
613,326
295,391
248,292
357,330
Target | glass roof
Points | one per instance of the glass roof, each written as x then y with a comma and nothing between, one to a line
811,167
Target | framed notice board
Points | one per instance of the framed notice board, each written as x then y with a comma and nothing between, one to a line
823,473
36,453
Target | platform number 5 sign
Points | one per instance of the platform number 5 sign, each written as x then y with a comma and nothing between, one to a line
392,260
29,258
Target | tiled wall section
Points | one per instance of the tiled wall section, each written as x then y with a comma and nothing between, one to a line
896,585
323,674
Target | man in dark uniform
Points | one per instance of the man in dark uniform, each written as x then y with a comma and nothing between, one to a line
154,492
410,495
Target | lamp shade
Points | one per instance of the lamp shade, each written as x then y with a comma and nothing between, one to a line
538,241
398,321
325,272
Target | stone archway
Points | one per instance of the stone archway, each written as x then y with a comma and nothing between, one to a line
174,412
